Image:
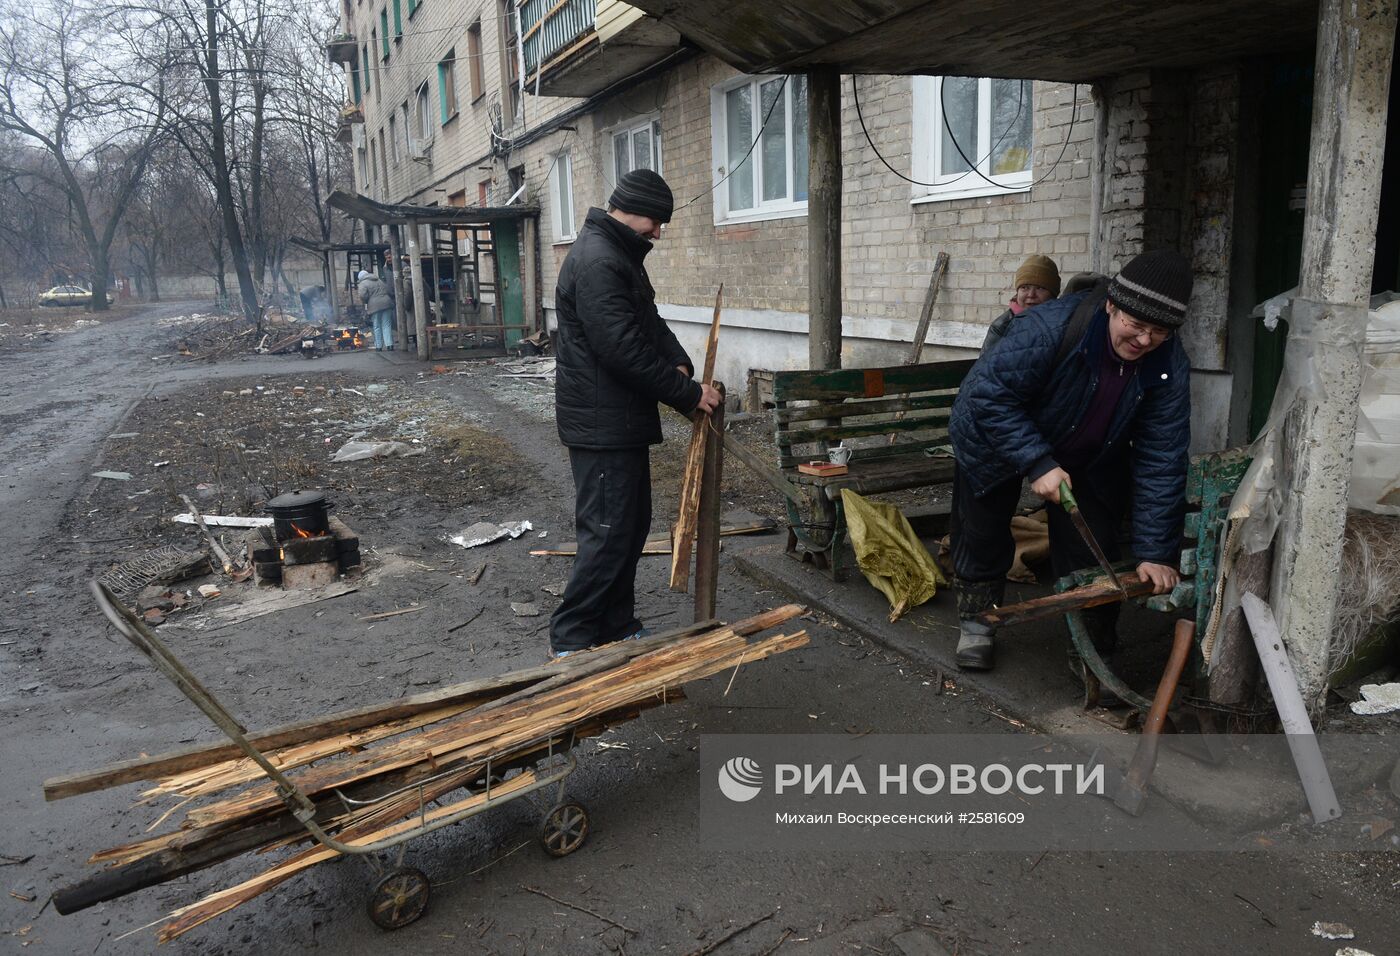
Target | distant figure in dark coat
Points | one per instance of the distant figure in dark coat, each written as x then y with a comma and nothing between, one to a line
616,360
1111,419
314,304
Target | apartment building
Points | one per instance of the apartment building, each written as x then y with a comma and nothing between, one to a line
483,102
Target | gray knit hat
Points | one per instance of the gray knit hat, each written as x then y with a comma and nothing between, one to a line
1154,287
643,193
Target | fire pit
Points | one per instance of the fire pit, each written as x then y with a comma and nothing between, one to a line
347,338
305,547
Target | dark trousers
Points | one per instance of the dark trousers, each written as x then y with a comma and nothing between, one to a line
612,517
983,548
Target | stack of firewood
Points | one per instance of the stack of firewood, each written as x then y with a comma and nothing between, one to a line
433,744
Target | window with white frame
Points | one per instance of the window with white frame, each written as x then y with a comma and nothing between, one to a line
760,132
423,120
972,135
636,145
561,197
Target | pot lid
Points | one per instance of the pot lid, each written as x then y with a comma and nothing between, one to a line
297,499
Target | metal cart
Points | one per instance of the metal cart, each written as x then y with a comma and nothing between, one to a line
400,893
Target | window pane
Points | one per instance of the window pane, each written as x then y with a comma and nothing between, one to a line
656,144
564,199
774,144
622,157
738,131
799,136
959,105
641,148
1012,108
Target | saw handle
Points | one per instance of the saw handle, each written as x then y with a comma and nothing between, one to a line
1067,497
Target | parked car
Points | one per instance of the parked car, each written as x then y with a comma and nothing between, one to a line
70,295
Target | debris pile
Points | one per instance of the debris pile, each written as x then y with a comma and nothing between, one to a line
399,757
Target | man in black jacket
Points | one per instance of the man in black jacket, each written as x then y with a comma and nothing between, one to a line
615,360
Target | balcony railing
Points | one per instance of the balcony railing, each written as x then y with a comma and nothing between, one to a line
341,48
550,28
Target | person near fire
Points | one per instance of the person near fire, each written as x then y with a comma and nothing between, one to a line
615,360
379,303
1093,390
1037,281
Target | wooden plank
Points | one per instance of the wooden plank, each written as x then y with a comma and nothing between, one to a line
1077,599
910,453
707,531
853,407
935,282
480,691
764,470
661,543
802,436
834,384
684,538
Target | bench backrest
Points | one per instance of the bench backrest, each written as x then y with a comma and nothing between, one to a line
912,401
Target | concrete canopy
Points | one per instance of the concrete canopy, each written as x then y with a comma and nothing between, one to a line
402,214
1072,41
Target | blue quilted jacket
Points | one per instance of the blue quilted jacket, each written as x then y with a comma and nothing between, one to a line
1013,409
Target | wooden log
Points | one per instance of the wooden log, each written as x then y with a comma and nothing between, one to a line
707,530
1076,600
684,538
475,691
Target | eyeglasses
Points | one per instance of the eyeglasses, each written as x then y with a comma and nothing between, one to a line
1136,329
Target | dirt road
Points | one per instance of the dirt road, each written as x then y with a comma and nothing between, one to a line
72,697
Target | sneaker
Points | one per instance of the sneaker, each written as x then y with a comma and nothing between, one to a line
641,633
557,655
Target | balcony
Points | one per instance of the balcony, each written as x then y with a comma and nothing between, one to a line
579,47
350,115
341,49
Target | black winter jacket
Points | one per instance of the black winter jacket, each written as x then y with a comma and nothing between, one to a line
616,358
1013,409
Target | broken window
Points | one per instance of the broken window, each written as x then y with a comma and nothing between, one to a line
972,135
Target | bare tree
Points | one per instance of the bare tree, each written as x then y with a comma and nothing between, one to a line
70,95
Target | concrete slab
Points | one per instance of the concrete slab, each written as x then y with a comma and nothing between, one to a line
1032,683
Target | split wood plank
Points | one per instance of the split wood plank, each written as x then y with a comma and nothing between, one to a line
763,470
683,540
395,613
187,918
172,855
474,691
224,560
707,526
268,602
916,350
1078,599
661,543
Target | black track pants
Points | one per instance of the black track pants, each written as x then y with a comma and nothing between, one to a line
612,517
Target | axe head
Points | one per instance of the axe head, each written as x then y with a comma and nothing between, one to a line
1117,787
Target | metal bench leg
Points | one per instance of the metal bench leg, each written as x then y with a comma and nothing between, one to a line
1096,671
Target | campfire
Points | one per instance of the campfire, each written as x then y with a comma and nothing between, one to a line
305,547
347,339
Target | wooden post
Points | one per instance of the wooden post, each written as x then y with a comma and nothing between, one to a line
396,276
433,231
707,528
824,217
935,282
1327,326
420,299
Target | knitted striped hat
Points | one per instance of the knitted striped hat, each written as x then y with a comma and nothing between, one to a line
643,193
1154,287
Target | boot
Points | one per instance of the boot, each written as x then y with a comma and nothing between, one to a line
976,641
976,646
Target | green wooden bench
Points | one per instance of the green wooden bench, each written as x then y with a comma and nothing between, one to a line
894,418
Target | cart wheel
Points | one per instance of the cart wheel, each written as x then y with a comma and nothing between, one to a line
563,829
399,898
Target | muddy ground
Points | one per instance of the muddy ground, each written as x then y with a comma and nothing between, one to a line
74,696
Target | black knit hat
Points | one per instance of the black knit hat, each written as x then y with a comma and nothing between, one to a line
1154,287
643,193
